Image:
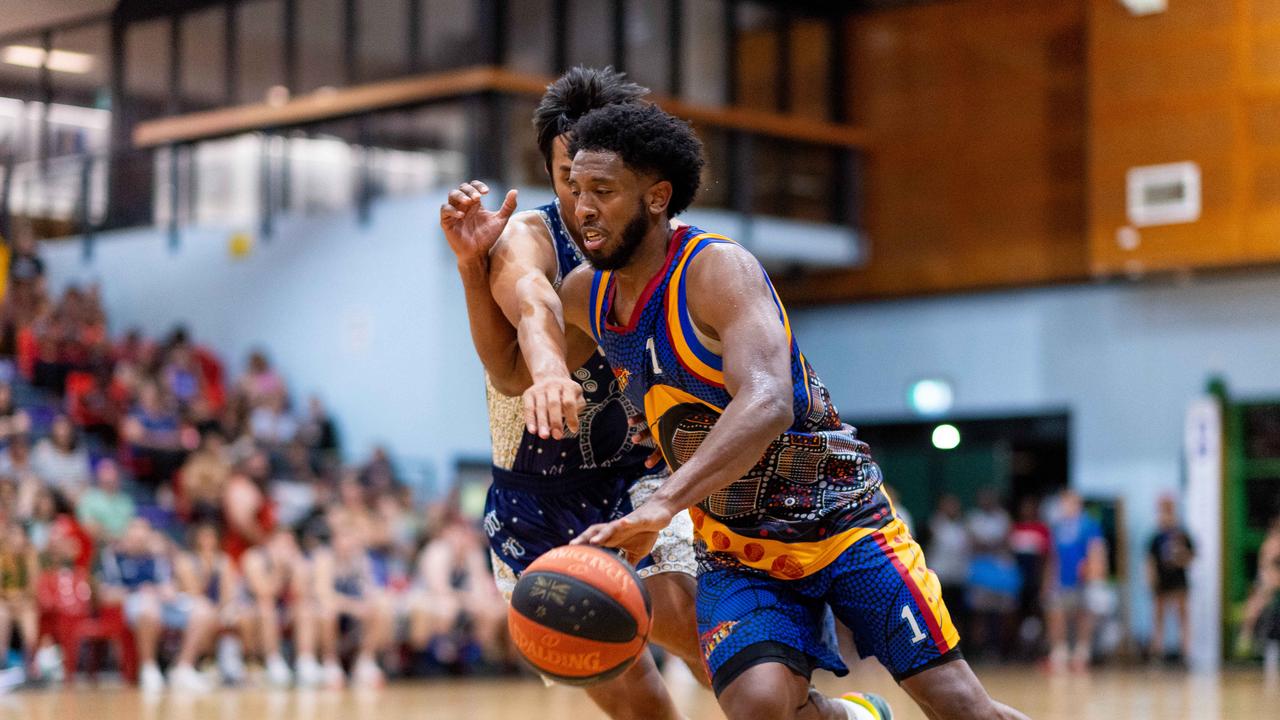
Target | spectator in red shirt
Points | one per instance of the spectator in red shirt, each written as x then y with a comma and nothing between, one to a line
1031,544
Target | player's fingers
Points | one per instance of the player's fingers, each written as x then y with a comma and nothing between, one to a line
530,413
586,536
544,419
555,414
484,189
459,199
654,458
572,407
508,204
470,191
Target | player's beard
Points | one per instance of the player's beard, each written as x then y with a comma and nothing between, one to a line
632,235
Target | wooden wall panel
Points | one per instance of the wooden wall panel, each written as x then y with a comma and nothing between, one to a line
975,175
1200,82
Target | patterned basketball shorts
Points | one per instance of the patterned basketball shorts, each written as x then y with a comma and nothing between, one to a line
523,526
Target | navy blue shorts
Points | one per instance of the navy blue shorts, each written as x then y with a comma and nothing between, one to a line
526,516
879,588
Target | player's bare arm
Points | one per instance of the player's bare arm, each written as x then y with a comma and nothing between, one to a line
472,233
730,301
551,343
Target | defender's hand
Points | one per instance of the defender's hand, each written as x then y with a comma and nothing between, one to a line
551,404
470,230
635,534
638,426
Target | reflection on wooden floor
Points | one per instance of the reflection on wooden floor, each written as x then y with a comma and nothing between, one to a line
1103,695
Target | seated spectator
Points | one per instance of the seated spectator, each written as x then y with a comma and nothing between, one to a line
15,461
19,568
247,510
260,385
97,400
47,506
203,478
154,434
1078,541
294,493
345,590
277,577
319,433
379,474
271,425
456,588
106,510
61,459
13,420
208,572
136,572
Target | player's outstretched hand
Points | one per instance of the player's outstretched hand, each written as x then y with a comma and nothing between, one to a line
470,229
640,434
551,405
634,533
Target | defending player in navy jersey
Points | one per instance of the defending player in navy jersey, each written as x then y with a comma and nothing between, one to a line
787,502
548,489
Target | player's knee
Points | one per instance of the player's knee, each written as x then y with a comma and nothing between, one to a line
765,692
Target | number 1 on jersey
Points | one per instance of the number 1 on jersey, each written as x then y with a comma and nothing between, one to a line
915,627
653,355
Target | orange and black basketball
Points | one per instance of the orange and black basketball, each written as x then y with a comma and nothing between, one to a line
580,615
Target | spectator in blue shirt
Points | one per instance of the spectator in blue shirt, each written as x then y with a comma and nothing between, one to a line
1079,550
137,573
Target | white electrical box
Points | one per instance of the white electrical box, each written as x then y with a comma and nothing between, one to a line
1163,194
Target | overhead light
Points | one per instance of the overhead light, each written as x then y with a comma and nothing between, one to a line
946,437
66,61
931,397
1145,7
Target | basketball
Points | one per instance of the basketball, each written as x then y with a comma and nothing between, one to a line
580,615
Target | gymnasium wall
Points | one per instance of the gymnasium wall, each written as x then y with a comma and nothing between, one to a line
1200,82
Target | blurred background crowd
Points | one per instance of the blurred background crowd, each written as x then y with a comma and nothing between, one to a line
177,513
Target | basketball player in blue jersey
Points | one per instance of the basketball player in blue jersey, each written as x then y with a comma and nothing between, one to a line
787,503
548,489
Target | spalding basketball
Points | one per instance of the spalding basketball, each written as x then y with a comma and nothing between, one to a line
580,615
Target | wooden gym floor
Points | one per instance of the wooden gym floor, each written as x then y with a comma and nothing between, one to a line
1102,695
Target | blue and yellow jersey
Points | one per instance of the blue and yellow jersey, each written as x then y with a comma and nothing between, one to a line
604,440
814,492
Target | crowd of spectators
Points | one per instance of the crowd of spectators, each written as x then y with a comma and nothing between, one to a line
1026,586
204,523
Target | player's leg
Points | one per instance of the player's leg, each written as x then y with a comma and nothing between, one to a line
881,588
674,623
637,694
1184,623
952,692
669,574
1157,631
1083,651
762,638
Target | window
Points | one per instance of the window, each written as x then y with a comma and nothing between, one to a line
649,44
382,39
204,56
259,49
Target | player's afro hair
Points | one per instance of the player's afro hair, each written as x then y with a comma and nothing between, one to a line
649,141
575,94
